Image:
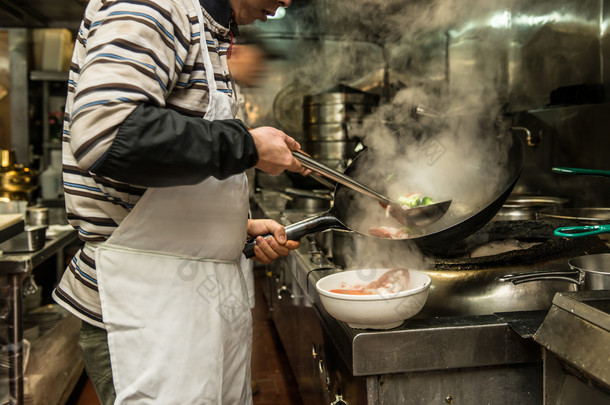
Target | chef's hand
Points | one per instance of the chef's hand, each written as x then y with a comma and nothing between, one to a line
274,151
270,248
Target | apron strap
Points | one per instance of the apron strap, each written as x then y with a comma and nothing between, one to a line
206,59
119,248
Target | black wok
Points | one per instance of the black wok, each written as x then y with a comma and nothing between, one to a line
446,180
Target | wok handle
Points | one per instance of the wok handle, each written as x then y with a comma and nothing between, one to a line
589,172
571,276
299,229
580,231
337,176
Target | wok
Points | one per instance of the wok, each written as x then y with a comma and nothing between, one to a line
477,195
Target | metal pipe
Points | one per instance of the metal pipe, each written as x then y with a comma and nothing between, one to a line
15,336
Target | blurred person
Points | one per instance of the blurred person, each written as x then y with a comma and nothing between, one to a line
249,59
249,67
153,169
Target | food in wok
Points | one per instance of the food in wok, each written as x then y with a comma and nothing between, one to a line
413,200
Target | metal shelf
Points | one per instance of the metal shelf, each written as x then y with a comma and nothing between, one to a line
50,76
16,267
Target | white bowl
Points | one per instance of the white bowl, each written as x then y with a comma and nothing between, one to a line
376,311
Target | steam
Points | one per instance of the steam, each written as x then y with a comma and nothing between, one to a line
455,154
364,252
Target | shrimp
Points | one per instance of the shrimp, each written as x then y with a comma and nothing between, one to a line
393,281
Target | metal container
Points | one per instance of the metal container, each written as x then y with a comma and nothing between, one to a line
37,216
331,150
333,131
32,238
325,112
589,272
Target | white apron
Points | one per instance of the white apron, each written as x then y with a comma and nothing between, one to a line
173,297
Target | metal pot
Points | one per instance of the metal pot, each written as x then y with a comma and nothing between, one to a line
589,272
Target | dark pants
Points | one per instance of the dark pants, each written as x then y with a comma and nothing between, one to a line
93,343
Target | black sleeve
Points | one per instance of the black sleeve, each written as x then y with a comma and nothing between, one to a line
158,147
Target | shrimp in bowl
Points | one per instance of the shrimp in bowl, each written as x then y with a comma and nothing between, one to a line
374,298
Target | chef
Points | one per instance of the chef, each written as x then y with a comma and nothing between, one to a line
153,170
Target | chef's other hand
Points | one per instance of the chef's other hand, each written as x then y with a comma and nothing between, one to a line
270,248
274,151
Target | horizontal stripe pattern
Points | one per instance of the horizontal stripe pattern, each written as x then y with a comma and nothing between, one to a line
127,52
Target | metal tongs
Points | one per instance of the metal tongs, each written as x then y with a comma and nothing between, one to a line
416,216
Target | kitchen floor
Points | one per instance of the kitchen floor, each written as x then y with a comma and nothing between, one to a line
271,373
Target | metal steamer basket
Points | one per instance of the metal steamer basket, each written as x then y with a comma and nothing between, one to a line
328,118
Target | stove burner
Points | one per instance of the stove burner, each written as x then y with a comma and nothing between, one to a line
535,236
552,249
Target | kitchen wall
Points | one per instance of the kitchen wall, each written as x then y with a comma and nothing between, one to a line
544,65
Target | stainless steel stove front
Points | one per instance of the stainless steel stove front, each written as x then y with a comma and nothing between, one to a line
460,359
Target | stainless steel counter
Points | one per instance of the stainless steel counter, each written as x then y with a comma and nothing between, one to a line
575,336
24,263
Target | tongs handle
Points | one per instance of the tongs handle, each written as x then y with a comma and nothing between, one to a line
577,170
339,177
299,229
587,172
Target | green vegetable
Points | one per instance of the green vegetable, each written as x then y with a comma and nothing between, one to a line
427,201
414,200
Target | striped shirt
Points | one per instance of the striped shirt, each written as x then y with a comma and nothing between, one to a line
127,52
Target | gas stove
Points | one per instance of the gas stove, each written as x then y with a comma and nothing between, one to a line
471,342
